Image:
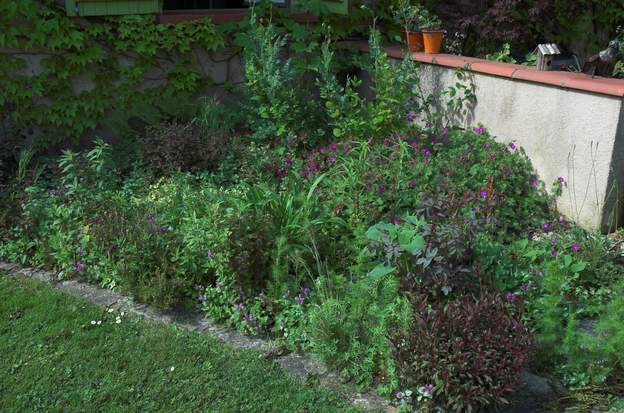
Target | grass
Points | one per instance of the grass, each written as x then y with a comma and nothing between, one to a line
54,359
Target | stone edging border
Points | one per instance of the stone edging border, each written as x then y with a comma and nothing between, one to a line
566,80
300,366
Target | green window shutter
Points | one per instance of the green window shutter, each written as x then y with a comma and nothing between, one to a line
334,6
337,6
112,7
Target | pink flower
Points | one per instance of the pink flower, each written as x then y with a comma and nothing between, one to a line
478,131
333,146
562,181
511,297
80,267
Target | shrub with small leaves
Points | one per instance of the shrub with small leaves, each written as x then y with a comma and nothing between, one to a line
174,146
470,351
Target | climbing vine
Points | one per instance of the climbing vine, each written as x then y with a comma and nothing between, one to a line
64,75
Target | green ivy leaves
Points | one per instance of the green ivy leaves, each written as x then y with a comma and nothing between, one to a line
64,75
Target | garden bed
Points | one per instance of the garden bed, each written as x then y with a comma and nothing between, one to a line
415,255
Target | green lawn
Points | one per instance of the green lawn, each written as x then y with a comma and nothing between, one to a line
54,359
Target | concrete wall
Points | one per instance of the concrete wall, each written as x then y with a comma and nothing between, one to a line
566,132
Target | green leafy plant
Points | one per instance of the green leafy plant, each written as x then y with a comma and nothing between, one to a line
408,15
503,55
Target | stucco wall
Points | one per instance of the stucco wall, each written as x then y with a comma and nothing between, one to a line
565,132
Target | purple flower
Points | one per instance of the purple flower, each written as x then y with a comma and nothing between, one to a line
444,132
210,254
426,152
484,193
249,317
428,389
288,162
199,287
299,299
386,142
306,290
444,139
202,298
333,146
413,144
575,247
240,307
511,297
400,395
525,286
546,226
382,190
533,181
512,147
487,145
80,267
396,221
562,181
553,253
412,184
323,151
478,131
411,116
332,159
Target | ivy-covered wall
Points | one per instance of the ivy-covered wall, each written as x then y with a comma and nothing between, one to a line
62,77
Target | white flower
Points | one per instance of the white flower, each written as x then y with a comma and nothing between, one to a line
172,368
122,313
99,322
118,321
92,322
110,310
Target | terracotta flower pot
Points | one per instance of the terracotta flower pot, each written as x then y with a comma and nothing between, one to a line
415,41
433,41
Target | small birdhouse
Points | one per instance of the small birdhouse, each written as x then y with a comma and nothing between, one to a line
546,54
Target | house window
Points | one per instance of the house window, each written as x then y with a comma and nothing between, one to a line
211,4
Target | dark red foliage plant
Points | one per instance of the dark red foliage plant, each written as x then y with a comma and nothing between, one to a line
468,353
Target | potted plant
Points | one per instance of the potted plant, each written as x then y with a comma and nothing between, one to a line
409,16
432,32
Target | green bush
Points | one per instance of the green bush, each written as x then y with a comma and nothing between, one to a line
352,331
